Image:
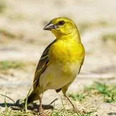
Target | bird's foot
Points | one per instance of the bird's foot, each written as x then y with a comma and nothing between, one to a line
42,112
76,110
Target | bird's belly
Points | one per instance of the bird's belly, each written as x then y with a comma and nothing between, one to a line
57,76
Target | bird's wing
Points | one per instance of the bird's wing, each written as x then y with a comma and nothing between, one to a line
42,65
81,66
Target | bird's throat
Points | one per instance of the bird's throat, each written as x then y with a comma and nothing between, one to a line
74,35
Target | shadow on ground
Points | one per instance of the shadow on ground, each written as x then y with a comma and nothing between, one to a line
112,114
33,106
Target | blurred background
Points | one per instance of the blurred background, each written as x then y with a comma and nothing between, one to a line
22,41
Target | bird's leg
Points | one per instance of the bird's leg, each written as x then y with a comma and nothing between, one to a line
40,106
41,110
64,89
73,105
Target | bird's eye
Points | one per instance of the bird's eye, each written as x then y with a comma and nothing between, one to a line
61,23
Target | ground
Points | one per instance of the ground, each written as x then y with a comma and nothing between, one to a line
22,42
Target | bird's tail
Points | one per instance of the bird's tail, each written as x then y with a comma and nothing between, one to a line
32,97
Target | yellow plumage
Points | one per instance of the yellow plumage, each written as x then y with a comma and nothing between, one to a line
66,51
61,61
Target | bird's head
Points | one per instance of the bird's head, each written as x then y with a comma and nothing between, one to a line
61,26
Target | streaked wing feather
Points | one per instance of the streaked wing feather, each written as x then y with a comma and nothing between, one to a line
42,65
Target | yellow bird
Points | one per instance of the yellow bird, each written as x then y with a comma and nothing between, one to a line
60,62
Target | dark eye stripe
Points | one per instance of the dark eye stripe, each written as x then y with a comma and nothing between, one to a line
61,23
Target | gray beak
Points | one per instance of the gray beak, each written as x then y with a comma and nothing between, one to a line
50,26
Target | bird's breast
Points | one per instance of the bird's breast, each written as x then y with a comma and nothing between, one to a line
66,52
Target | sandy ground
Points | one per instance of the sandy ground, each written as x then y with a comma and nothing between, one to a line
23,40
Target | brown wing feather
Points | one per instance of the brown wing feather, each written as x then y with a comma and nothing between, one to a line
42,65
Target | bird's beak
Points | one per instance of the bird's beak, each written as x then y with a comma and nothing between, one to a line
50,26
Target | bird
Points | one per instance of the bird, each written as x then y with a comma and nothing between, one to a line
60,62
